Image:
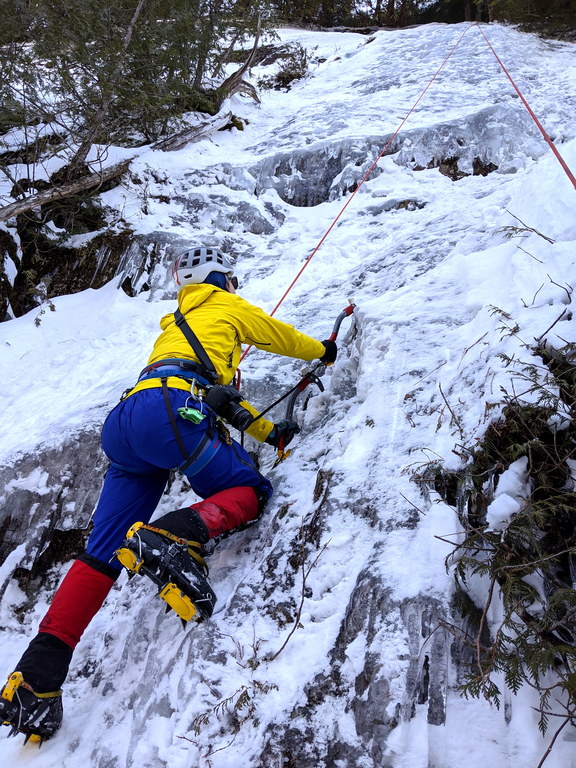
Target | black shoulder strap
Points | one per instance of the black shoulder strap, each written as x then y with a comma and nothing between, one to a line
196,345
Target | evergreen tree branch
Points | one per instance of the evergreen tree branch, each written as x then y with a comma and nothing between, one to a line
82,152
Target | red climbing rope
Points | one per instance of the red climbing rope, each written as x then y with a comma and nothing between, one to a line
367,174
397,131
531,113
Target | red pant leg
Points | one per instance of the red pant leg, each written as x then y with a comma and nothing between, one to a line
76,602
228,509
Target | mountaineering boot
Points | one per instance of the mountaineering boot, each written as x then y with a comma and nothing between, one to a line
173,560
37,715
31,701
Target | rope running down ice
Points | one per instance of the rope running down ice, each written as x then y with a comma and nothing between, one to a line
395,134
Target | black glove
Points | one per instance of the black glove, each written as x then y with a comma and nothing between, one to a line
285,430
331,352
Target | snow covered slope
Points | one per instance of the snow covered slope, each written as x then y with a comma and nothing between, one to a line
348,548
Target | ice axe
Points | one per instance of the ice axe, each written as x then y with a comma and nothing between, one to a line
310,377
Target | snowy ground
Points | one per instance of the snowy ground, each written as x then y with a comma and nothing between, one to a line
424,348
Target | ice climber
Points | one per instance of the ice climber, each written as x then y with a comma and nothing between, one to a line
171,418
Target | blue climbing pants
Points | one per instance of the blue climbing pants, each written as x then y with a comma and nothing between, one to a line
139,439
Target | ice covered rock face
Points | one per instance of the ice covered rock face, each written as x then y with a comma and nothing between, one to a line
347,554
326,171
45,508
330,169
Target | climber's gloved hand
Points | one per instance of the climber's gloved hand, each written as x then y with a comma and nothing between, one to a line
331,353
282,433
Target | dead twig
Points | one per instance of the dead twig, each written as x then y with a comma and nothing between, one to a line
472,345
564,288
412,504
539,339
529,254
454,417
305,574
553,741
531,229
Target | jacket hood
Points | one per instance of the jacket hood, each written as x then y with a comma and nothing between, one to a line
190,297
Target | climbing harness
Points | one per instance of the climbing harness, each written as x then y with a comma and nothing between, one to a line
201,380
204,451
187,369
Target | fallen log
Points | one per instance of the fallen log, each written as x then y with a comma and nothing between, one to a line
91,181
195,133
96,179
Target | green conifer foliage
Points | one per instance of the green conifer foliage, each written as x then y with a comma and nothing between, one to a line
527,566
146,61
556,18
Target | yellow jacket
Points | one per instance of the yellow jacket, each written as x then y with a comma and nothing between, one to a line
223,322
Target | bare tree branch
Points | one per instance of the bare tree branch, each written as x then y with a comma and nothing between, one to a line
235,83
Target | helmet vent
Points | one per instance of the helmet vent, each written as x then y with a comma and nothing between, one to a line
194,265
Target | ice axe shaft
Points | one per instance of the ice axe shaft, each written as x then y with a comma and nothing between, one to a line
345,313
311,377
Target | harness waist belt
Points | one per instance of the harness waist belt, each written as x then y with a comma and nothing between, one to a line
163,371
176,367
174,382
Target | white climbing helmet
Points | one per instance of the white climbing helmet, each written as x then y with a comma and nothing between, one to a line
195,264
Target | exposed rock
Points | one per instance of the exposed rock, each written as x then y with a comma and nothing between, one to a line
371,697
47,501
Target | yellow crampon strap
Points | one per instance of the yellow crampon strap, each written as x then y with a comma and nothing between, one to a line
125,556
51,695
193,546
16,680
131,561
179,602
